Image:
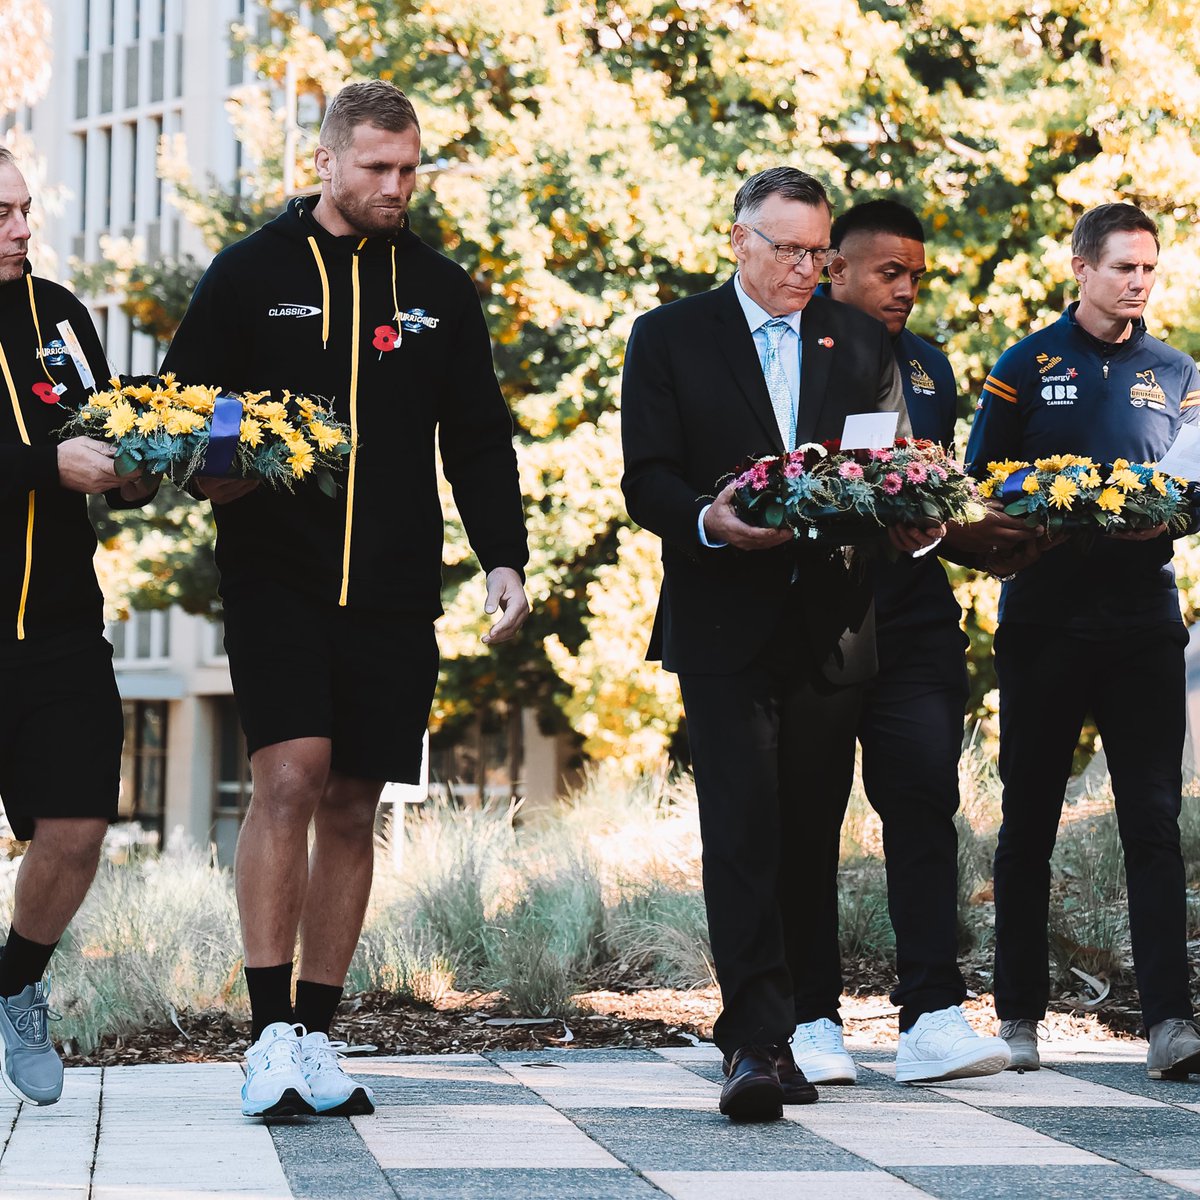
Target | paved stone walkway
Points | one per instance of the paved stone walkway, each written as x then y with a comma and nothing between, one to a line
613,1125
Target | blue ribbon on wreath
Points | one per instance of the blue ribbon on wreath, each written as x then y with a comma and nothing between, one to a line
1011,489
223,436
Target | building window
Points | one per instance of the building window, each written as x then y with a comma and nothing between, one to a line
231,797
144,766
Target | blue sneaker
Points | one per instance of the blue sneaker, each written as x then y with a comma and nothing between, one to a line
29,1064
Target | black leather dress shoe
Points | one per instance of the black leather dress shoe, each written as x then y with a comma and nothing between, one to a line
753,1091
796,1089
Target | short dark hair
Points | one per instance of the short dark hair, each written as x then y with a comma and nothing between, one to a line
788,182
375,102
878,216
1093,228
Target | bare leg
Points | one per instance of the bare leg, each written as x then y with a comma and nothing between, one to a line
339,882
56,872
271,866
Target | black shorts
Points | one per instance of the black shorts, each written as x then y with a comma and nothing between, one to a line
61,731
305,668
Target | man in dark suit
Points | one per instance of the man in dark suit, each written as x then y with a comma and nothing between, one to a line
772,641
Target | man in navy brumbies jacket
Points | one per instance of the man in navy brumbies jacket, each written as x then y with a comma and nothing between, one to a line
1094,629
911,727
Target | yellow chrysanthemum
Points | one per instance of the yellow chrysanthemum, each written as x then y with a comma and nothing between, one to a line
1091,479
325,437
104,399
301,461
1111,500
1119,464
148,422
1158,483
296,442
178,421
1063,491
121,419
1056,462
279,427
1127,480
141,394
272,409
199,399
1031,484
987,487
1002,470
250,432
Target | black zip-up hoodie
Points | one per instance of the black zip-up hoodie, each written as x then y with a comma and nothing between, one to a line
294,307
48,589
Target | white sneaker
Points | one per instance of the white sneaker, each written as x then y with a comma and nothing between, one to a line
820,1053
941,1045
275,1085
334,1093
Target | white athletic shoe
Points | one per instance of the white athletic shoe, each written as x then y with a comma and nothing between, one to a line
275,1085
820,1052
941,1045
334,1093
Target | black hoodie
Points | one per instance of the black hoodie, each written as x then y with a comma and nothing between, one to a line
294,307
48,589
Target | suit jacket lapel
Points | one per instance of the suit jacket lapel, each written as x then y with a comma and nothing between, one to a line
737,344
815,365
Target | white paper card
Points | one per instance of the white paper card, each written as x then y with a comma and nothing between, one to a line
869,431
1183,458
75,350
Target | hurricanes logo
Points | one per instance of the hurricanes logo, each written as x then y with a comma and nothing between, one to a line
921,380
416,319
1148,393
54,353
1046,363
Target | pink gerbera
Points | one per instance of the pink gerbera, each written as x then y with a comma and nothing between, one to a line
850,470
793,470
884,456
916,472
892,483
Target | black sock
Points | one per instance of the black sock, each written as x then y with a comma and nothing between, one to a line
22,962
270,991
315,1005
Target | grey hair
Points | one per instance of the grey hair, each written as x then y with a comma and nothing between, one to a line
7,157
788,182
1093,228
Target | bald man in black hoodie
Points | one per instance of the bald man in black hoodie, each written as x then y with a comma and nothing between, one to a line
330,602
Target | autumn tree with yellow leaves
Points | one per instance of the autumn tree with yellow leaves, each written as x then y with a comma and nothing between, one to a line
582,163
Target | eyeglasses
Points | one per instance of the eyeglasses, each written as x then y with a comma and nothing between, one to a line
792,256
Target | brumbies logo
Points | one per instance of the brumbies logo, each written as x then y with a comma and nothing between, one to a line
416,319
920,379
54,353
1148,393
1046,363
293,310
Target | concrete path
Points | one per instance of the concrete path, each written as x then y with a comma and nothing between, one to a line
613,1125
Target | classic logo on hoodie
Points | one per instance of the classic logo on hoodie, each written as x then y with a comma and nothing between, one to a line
294,310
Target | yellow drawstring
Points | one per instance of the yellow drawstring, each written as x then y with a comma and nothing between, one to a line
312,242
354,337
395,302
37,329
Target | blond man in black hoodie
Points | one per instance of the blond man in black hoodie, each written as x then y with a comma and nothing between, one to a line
330,602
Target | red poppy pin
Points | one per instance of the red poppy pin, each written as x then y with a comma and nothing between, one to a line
827,342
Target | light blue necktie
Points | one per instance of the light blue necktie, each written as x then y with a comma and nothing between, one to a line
777,382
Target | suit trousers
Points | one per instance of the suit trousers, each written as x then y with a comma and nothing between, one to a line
1134,686
773,754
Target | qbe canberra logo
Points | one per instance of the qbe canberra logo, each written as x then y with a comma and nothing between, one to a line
416,319
293,310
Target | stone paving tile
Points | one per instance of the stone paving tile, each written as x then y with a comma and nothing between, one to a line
439,1079
507,1057
871,1085
682,1140
1131,1077
1045,1088
1108,1182
1189,1181
325,1159
1143,1138
548,1184
905,1134
783,1185
624,1084
49,1153
454,1136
